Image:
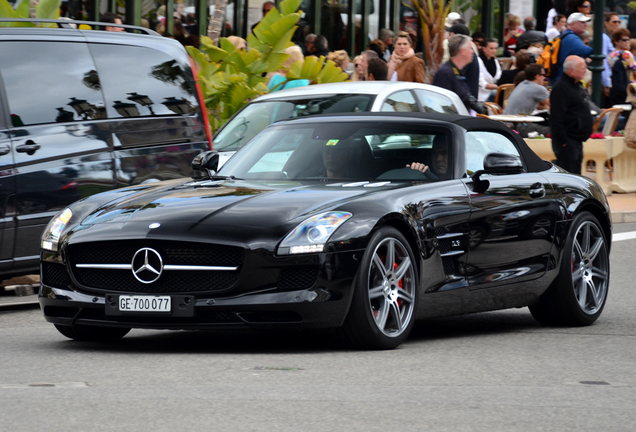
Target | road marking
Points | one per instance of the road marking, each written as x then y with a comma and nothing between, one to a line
624,236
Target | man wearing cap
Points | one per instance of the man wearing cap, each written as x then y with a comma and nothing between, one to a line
571,43
450,20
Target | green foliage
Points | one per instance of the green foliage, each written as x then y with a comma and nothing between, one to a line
632,5
46,9
229,78
463,6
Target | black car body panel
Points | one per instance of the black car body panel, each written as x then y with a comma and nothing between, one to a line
480,243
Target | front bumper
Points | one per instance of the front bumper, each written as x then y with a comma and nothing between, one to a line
324,305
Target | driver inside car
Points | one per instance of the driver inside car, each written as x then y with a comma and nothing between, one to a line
439,159
343,159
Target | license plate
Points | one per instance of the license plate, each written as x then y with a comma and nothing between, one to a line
136,303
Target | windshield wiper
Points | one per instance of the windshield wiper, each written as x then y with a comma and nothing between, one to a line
230,177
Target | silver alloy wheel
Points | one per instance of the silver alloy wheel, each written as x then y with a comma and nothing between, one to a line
392,287
590,267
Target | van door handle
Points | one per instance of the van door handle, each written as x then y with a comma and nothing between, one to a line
4,150
30,147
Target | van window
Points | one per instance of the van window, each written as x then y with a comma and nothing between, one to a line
49,82
140,82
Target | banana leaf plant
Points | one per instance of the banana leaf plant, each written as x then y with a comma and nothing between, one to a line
46,9
432,16
230,78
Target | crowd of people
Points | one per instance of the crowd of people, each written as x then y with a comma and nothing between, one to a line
473,71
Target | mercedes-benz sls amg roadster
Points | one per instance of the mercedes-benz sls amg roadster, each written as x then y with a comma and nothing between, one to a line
362,223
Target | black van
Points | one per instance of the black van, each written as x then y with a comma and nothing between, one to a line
85,111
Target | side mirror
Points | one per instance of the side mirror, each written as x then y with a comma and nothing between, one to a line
497,163
205,164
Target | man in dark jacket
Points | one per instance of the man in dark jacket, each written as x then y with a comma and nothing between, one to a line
449,76
570,119
530,36
471,71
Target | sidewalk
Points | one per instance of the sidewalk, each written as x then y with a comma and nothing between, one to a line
623,208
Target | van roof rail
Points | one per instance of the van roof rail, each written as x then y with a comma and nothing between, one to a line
66,23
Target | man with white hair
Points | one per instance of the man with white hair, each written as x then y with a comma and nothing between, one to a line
571,122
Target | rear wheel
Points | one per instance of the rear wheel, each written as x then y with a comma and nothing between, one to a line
382,311
92,334
578,295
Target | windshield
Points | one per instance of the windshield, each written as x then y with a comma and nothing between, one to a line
258,115
352,151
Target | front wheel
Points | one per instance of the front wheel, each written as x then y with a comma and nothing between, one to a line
577,296
91,333
382,311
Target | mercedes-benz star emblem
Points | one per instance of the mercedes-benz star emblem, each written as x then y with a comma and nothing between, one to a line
147,265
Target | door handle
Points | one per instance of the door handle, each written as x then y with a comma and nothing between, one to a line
29,147
537,190
4,150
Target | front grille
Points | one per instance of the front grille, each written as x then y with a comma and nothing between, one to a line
55,275
297,277
177,253
172,253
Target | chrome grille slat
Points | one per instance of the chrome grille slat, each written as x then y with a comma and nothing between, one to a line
188,267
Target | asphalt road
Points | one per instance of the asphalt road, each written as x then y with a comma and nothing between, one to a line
497,371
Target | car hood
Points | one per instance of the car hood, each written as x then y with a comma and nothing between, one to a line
229,203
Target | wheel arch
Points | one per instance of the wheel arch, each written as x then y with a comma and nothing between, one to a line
591,206
405,228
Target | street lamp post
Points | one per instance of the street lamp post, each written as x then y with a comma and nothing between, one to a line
81,106
142,100
597,57
126,109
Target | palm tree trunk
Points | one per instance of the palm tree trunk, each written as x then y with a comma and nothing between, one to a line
216,20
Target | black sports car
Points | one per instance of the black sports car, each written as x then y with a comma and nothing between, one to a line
358,222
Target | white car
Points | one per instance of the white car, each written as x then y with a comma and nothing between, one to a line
358,96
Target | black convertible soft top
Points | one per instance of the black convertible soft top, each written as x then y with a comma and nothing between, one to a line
533,162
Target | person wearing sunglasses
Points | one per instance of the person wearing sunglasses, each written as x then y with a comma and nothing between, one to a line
612,23
267,6
584,7
358,69
621,76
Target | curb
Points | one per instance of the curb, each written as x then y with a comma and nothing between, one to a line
623,217
14,305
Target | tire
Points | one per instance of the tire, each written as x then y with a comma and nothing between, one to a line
578,294
92,334
382,311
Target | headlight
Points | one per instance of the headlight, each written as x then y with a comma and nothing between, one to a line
54,229
312,235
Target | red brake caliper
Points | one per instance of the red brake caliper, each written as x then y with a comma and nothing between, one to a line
399,302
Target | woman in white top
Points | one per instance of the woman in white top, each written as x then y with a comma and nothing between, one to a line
489,71
560,22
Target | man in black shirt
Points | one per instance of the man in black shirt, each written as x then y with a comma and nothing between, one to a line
449,76
570,119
